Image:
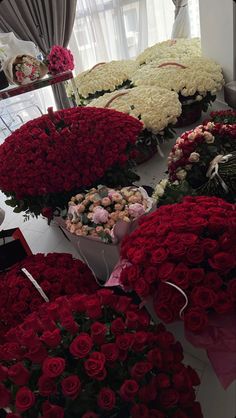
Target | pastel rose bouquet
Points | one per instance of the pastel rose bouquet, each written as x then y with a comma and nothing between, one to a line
95,357
56,274
184,252
97,213
203,162
65,152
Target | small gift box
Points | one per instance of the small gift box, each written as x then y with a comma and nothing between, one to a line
13,248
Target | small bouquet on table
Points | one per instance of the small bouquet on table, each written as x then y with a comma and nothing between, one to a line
99,219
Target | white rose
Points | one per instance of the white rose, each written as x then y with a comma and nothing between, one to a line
163,183
159,190
192,136
194,157
181,174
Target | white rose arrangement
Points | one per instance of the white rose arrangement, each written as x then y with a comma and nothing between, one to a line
177,48
155,107
102,78
188,77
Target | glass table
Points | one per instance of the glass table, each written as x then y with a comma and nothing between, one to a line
49,80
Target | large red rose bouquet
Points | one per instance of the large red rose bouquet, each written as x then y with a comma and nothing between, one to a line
56,274
227,117
52,157
202,162
95,357
184,251
59,60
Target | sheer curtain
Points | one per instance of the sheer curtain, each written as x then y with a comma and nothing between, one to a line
118,29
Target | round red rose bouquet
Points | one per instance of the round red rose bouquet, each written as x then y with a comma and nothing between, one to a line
64,152
203,162
184,251
59,60
95,357
56,274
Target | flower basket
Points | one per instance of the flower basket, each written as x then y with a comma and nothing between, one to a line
43,278
202,162
99,220
96,357
67,152
182,259
191,113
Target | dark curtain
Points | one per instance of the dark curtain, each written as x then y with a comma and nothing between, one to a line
44,22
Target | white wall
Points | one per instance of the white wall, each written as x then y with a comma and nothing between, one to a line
218,21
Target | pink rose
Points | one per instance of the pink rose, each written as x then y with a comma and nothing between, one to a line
100,215
136,210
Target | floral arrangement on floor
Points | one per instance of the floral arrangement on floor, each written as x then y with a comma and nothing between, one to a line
172,49
184,256
99,212
24,69
195,80
103,78
205,158
95,357
227,117
63,153
157,108
56,274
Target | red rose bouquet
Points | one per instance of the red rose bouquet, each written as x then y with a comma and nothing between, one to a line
227,117
95,357
184,255
203,162
55,274
59,60
64,152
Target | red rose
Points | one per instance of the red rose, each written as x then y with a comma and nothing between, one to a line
51,338
196,275
195,254
107,297
70,325
53,366
223,303
122,304
165,271
195,381
128,390
142,288
163,312
131,319
5,396
213,280
155,357
124,342
162,381
46,386
203,297
106,399
169,398
140,341
196,410
90,414
3,373
150,274
140,369
118,326
37,354
159,255
95,364
181,380
231,289
164,338
19,374
195,319
210,246
71,386
181,276
139,411
98,332
81,345
143,318
133,273
188,238
110,351
52,411
138,256
179,414
47,213
93,308
25,399
223,262
12,415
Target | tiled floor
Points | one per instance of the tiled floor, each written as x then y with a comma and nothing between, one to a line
216,402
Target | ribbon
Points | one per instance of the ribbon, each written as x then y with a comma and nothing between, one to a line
185,296
213,170
95,66
175,64
35,283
